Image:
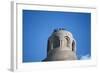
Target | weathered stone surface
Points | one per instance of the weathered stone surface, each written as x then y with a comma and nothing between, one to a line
61,46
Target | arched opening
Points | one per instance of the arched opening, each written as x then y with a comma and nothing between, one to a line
73,45
48,46
68,41
56,42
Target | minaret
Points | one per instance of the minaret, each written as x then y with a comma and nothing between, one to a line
61,46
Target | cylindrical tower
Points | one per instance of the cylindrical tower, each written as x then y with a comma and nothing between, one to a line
61,46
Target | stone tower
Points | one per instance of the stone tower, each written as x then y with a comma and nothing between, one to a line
61,46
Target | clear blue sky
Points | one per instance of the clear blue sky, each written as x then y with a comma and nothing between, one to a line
38,26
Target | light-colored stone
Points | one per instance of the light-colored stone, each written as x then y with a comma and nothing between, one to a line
61,46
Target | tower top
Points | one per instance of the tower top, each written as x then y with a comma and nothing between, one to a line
58,29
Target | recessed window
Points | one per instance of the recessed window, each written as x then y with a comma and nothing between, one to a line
73,45
56,42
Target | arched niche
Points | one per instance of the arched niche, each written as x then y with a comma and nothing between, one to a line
67,41
48,46
56,42
73,45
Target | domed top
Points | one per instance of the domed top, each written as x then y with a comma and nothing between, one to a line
62,32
